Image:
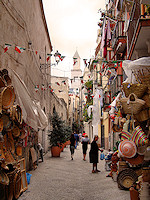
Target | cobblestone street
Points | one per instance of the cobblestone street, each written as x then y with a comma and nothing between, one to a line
64,179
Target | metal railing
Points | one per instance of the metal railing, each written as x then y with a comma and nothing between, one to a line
118,32
134,20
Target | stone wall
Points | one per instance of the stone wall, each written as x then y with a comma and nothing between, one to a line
22,23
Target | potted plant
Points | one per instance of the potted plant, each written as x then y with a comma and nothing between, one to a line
57,134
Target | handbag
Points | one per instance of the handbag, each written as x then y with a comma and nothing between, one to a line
132,105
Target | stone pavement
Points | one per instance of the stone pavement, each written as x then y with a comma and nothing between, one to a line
64,179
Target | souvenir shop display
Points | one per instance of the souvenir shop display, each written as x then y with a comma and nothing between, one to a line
134,146
14,137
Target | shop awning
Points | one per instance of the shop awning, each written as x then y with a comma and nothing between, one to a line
32,112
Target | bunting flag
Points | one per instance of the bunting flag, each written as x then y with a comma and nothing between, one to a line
57,83
49,86
62,57
71,80
82,81
60,90
36,52
19,49
103,66
82,87
6,47
74,61
99,96
36,88
48,57
42,87
52,90
85,62
64,82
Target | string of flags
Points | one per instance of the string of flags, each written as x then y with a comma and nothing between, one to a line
57,55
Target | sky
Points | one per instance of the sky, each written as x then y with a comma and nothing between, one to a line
72,26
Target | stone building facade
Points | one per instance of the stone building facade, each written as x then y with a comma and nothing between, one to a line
23,24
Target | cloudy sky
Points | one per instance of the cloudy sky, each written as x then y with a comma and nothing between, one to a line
72,25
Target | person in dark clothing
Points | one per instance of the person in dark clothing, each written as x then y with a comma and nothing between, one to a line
72,145
85,142
94,154
76,138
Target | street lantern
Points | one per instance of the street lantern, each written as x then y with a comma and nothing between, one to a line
57,56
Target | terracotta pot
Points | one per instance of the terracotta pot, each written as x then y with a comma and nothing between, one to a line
55,150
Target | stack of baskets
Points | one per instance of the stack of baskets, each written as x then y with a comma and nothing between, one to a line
10,142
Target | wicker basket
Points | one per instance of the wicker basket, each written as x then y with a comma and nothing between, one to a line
16,131
126,178
132,104
16,113
17,184
146,98
9,188
8,97
143,115
137,89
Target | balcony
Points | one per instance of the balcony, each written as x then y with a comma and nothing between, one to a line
138,32
119,37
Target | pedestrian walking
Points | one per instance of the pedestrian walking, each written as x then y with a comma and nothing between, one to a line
76,138
85,142
94,154
72,145
40,148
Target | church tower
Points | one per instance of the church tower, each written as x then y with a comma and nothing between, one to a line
76,72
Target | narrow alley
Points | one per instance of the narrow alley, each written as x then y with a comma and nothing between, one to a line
64,179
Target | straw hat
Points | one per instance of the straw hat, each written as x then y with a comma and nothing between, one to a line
16,131
127,149
4,178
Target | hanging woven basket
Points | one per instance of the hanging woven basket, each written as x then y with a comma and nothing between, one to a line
132,104
7,97
137,89
17,184
4,178
16,131
16,113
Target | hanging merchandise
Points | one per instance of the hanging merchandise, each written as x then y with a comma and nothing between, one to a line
139,137
132,105
127,148
138,89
